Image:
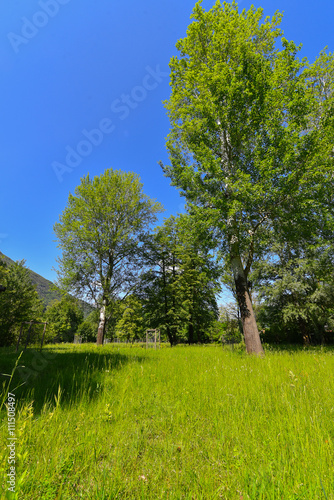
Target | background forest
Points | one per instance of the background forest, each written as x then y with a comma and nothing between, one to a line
251,151
177,292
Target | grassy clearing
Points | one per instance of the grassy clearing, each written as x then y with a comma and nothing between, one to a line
181,423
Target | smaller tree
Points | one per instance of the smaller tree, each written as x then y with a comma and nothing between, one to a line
18,303
64,317
295,288
100,234
87,329
179,290
229,317
131,325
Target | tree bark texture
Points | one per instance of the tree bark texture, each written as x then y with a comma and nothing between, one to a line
251,333
102,326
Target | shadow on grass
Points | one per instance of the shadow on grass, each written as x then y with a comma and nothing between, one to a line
297,348
79,372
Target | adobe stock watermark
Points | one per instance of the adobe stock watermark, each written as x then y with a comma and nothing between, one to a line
11,422
31,27
122,108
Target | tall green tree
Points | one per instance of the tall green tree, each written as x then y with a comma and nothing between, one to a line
18,303
100,234
179,290
156,287
197,281
251,141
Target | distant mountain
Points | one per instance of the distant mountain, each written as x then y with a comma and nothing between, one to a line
44,288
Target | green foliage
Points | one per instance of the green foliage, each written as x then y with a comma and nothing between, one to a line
18,303
216,332
131,325
100,232
64,318
45,288
251,141
47,291
295,287
178,291
88,328
229,318
242,141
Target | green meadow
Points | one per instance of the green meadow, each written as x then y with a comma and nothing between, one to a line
201,422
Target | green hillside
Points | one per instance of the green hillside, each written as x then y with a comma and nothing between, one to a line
45,287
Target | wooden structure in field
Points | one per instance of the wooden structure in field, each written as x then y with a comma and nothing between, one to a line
30,333
153,338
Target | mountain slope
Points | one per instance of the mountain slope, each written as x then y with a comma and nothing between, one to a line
44,288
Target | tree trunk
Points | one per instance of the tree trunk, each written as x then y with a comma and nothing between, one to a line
190,331
251,333
102,325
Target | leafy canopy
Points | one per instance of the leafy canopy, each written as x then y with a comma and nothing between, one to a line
251,126
99,233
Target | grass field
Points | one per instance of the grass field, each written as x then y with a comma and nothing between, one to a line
197,422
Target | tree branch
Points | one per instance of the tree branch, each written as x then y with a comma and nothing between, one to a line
251,246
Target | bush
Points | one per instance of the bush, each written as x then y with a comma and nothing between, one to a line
88,328
64,317
18,303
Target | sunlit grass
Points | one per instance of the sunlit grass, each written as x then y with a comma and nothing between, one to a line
189,422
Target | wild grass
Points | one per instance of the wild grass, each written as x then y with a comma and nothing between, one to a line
183,423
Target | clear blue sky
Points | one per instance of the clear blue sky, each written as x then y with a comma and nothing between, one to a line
66,67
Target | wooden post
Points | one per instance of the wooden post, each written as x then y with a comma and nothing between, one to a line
156,337
28,336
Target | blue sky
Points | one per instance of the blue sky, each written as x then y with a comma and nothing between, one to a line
90,77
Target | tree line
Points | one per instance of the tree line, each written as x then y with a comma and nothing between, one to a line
251,150
167,280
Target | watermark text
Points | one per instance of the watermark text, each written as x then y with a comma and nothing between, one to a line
31,27
11,419
122,108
